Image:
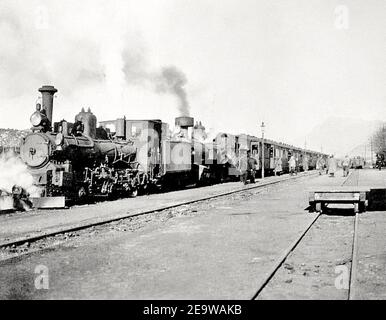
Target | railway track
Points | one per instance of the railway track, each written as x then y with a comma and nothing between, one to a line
353,179
59,230
354,259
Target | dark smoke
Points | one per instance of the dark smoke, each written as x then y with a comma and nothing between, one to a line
168,80
173,81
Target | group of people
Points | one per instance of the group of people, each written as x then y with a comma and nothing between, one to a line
293,164
330,166
248,166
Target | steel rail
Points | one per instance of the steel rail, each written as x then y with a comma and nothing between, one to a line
283,257
354,259
353,271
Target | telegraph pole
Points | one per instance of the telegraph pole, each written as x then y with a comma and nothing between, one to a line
262,150
365,153
305,147
371,148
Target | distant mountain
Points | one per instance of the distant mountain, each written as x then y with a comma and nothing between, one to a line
340,136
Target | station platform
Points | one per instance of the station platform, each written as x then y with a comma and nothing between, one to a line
33,223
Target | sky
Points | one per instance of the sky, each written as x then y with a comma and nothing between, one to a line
229,63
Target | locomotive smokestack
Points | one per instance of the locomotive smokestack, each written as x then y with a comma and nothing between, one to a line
186,122
48,99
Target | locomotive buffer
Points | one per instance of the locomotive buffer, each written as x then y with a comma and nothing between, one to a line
355,195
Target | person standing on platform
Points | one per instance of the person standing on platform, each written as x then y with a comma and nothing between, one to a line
292,165
320,165
346,163
305,163
278,166
251,167
331,166
379,161
243,165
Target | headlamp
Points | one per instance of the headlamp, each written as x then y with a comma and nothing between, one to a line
36,119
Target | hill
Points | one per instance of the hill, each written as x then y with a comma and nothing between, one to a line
340,136
11,137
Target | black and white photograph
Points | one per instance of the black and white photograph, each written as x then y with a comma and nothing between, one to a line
192,150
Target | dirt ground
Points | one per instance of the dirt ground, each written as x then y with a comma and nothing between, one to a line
34,223
311,270
217,249
371,267
320,267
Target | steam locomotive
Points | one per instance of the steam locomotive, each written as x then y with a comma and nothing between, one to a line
120,158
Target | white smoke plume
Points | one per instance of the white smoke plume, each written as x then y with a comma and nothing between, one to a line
14,172
96,54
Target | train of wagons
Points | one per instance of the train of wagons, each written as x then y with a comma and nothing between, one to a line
70,161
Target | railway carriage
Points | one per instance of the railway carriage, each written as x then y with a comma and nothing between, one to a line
273,151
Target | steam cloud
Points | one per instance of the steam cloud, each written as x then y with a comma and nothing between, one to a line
89,68
173,81
14,172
